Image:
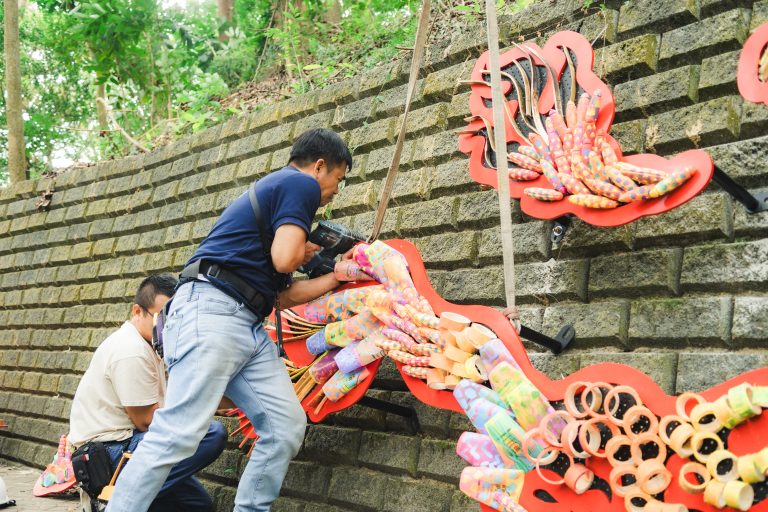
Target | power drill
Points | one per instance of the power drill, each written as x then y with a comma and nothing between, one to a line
334,239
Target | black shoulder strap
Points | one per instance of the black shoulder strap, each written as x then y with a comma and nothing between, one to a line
266,243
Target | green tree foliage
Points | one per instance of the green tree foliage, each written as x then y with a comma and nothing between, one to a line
163,70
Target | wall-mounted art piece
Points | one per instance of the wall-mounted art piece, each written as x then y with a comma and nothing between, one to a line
558,115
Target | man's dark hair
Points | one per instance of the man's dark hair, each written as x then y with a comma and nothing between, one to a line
152,286
318,143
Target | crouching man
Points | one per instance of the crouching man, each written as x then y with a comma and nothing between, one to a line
119,393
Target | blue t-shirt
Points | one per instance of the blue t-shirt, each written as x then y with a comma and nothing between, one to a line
287,196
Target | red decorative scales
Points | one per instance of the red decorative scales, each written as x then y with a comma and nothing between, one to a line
539,81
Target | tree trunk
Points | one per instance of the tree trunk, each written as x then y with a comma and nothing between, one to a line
225,9
101,109
17,163
333,13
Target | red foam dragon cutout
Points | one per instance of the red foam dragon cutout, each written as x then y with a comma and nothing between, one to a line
538,81
537,495
752,73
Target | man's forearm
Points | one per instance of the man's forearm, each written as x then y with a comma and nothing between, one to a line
301,292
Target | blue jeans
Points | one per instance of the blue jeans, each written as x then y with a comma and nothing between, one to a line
181,492
215,346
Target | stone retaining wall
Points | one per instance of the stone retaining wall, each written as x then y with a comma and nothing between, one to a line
680,296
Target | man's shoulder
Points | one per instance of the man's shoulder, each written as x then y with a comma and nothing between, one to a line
124,343
291,177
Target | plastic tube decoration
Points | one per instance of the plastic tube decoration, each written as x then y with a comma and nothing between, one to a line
496,487
324,368
359,354
478,450
339,305
344,332
342,383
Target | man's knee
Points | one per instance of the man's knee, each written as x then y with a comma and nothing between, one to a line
294,434
219,434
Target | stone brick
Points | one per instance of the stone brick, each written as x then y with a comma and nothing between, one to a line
661,367
656,16
180,167
320,120
333,444
253,168
750,224
656,93
391,102
427,120
582,239
433,421
551,280
389,452
408,495
241,149
555,367
265,117
362,489
750,320
191,185
703,124
634,57
356,198
705,217
448,250
372,136
307,480
210,158
435,149
530,242
410,186
235,128
442,85
697,371
537,16
479,209
450,178
634,274
354,114
388,75
438,460
725,267
754,119
708,37
710,7
428,217
657,322
743,161
458,109
759,14
379,160
718,75
470,286
596,324
277,137
165,194
367,417
280,505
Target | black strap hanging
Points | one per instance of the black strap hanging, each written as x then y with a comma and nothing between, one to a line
266,244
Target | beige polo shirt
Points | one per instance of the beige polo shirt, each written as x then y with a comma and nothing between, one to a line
124,371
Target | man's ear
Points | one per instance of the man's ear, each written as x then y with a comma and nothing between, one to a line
319,164
135,310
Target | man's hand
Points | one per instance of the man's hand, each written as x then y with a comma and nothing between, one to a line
347,255
309,251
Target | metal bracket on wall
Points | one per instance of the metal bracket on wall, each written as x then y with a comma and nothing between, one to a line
408,413
559,228
557,344
754,203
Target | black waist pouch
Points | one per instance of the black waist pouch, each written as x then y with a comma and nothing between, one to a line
92,468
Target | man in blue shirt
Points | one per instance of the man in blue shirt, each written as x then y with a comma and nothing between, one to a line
214,341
